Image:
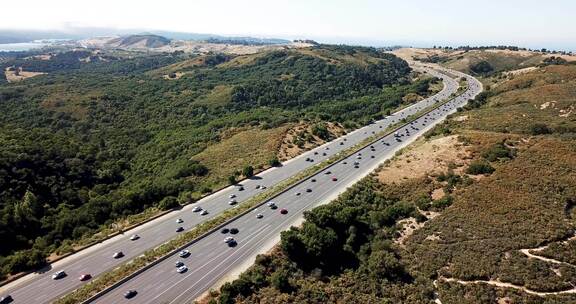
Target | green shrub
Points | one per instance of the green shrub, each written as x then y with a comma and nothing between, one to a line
479,167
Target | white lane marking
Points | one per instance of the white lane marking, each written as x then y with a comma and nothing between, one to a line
257,232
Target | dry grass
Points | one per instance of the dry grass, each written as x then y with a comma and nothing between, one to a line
219,96
426,158
249,147
289,148
14,76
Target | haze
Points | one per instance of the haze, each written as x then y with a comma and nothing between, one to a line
422,23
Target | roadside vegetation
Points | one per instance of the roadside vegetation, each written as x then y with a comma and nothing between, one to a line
103,138
473,222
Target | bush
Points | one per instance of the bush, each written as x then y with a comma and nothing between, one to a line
168,202
248,171
274,162
479,167
498,151
539,129
442,203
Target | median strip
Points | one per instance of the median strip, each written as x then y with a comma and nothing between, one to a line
116,277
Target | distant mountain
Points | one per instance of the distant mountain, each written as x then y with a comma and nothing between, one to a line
148,41
220,39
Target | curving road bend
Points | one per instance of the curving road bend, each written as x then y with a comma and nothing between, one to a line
211,260
95,260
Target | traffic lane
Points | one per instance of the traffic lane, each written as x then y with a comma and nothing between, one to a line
101,261
322,187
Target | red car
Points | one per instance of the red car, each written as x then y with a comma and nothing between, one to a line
334,178
85,277
283,211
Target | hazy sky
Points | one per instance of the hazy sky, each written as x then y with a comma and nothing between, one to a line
531,23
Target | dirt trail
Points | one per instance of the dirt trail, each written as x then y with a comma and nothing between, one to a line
509,285
529,254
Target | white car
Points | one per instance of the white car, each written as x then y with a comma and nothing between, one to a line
184,253
232,195
204,212
228,239
196,209
259,215
179,221
58,275
134,237
182,269
232,202
270,204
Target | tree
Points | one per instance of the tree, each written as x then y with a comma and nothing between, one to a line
168,202
274,162
248,171
28,209
232,180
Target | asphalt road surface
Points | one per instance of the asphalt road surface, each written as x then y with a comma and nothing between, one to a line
211,259
40,288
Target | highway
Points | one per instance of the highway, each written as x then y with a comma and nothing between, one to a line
211,260
40,288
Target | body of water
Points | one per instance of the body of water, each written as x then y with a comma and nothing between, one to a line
25,46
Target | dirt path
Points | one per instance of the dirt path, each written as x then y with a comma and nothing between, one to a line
509,285
529,254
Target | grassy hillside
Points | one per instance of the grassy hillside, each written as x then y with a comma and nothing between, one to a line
472,225
95,141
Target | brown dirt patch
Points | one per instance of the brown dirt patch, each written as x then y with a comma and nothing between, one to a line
18,75
426,158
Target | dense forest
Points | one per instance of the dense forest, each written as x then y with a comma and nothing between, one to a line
103,136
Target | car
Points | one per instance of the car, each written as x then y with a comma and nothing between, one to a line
118,254
232,202
298,193
241,188
283,211
258,186
308,159
334,178
327,172
259,215
178,221
262,187
324,154
6,299
85,277
372,156
234,230
58,275
204,212
344,162
313,180
356,166
224,230
180,229
182,269
134,237
130,294
358,157
232,196
184,253
341,143
197,209
270,204
308,190
315,152
179,264
228,240
344,139
327,148
273,207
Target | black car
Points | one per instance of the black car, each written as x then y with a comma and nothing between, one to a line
6,299
308,190
233,230
225,230
130,294
180,229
